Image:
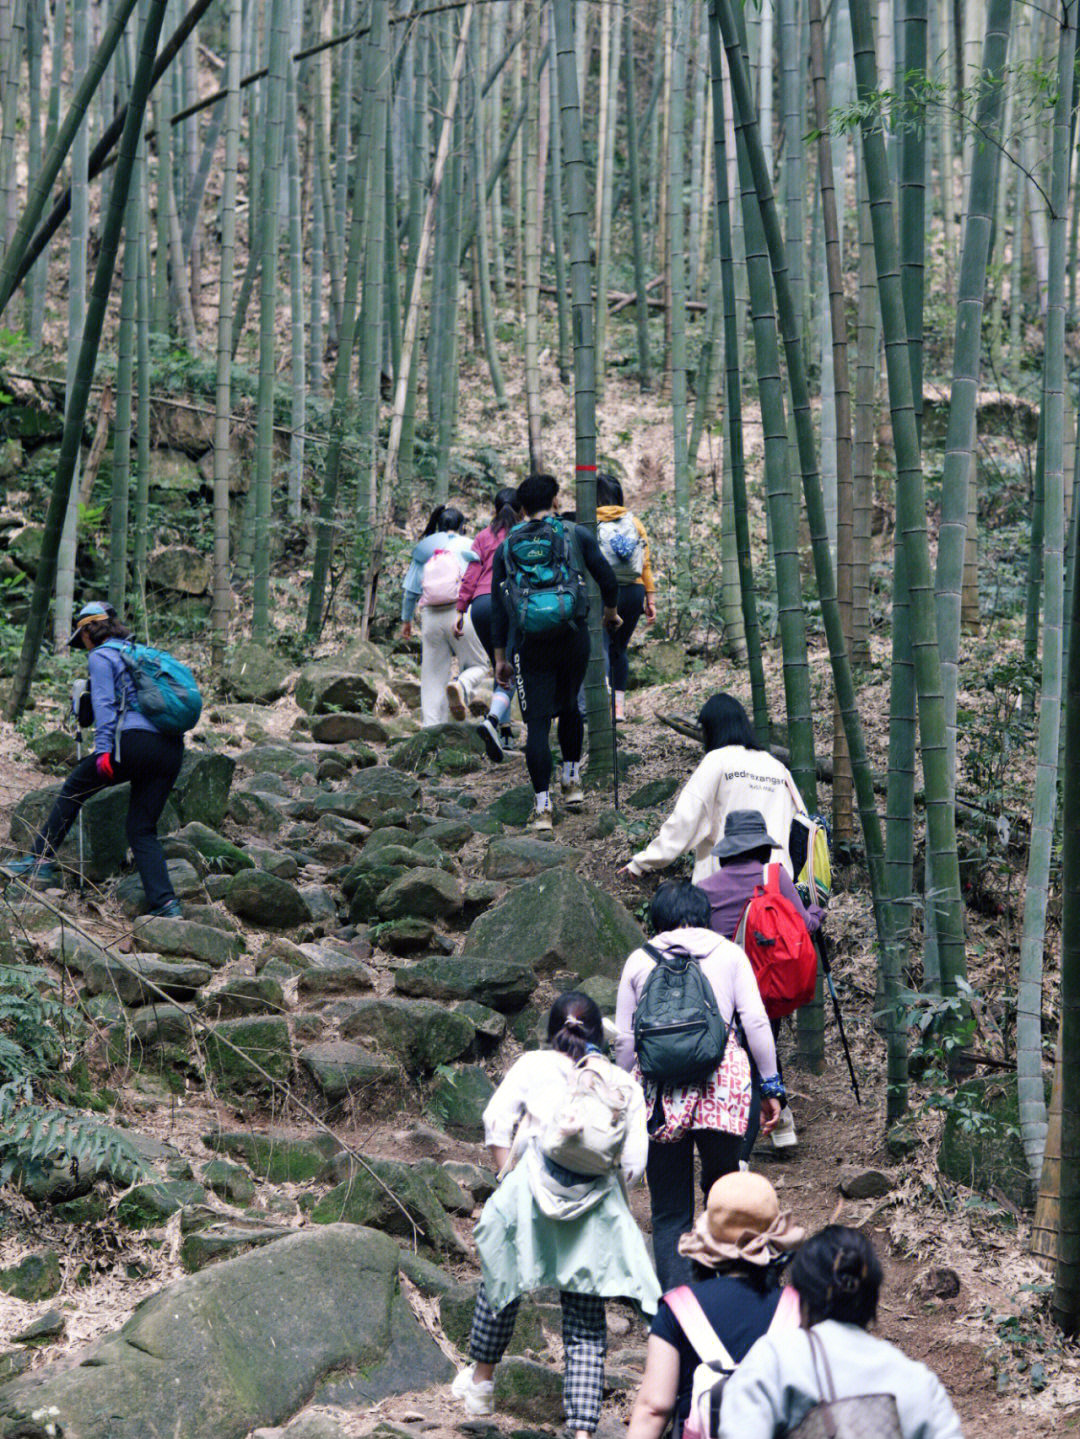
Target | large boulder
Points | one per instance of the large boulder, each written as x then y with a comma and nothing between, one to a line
143,978
201,791
980,1144
457,1100
265,900
246,1054
421,893
180,569
326,686
340,1068
441,749
418,1032
559,921
104,832
504,984
215,947
255,675
275,1155
392,1197
520,856
240,1344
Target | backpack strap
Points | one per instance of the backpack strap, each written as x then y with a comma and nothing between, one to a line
694,1323
822,1371
772,880
787,1315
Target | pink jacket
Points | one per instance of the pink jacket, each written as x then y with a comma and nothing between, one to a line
477,578
728,971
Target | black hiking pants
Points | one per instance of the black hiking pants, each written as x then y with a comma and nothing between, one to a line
149,762
548,674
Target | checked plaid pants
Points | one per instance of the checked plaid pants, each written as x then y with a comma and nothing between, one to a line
584,1340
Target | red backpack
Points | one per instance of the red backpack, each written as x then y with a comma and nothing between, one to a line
778,945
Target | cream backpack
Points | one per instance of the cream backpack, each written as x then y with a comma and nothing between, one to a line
587,1131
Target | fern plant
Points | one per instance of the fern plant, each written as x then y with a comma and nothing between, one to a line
33,1020
35,1140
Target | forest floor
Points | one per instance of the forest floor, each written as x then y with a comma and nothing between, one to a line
990,1342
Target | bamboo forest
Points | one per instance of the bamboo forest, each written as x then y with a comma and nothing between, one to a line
301,304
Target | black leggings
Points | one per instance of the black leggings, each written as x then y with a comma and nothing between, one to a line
549,674
631,608
480,614
150,762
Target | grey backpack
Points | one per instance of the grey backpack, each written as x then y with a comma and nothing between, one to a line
679,1032
861,1416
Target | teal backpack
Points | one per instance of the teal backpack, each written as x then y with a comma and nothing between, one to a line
165,689
544,589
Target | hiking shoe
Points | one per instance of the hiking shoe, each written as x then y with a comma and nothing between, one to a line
170,909
488,731
455,698
542,822
477,1395
784,1136
573,796
32,866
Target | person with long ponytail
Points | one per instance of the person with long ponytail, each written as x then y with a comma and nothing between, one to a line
474,604
548,1226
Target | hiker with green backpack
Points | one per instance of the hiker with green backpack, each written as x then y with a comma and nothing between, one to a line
539,573
143,701
678,1001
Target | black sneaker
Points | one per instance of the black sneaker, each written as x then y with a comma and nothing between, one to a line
170,909
488,731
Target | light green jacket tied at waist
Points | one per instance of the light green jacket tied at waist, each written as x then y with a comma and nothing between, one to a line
598,1251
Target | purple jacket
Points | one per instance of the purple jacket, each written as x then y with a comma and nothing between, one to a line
112,690
731,888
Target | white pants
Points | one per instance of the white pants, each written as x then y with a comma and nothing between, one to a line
438,647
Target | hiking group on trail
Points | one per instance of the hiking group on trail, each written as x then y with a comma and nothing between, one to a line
756,1331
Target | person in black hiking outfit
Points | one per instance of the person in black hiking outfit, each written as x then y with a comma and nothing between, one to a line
548,668
127,748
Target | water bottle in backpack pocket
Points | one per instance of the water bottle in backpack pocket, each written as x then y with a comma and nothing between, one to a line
165,690
679,1033
622,546
544,588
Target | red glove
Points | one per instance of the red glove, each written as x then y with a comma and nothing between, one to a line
105,766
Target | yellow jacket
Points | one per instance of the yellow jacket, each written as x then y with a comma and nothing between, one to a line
616,512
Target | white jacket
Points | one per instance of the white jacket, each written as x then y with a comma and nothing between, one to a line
726,779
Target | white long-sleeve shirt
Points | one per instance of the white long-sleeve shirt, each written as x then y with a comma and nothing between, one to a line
526,1100
775,1386
726,779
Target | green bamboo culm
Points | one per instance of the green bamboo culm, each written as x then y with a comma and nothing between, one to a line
268,246
1029,1057
677,308
944,906
75,414
641,306
601,756
51,165
733,391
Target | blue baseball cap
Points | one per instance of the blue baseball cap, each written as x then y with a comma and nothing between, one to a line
95,610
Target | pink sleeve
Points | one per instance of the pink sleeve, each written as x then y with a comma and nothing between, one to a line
751,1011
473,572
633,976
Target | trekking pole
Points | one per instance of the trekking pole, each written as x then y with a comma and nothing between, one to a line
614,743
79,821
821,944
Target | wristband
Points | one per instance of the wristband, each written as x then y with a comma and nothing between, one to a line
773,1088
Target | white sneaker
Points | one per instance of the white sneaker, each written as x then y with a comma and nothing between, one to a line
455,698
784,1136
477,1395
573,796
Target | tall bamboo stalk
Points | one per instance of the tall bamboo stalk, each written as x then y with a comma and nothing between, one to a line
222,604
1030,1091
274,116
676,230
79,396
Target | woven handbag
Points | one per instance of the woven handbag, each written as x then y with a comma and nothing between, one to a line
862,1416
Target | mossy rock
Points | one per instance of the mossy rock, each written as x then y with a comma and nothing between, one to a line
657,791
201,792
423,893
277,1156
234,1047
255,675
558,921
504,984
456,1307
448,749
363,1198
220,853
528,1390
149,1205
420,1033
457,1100
521,856
266,900
35,1277
513,806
